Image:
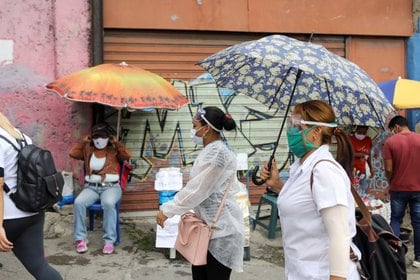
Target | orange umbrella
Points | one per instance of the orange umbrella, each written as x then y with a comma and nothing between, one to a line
119,85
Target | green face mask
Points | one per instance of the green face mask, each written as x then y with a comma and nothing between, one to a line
297,141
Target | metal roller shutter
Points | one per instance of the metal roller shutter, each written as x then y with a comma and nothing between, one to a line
161,138
173,54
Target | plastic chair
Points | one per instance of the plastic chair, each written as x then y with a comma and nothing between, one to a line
125,169
68,199
272,218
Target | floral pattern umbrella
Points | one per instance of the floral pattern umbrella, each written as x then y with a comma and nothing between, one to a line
281,71
120,86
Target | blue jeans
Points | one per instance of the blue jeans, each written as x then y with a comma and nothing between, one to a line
109,196
399,201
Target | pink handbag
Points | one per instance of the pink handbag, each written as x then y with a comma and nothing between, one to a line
194,235
193,239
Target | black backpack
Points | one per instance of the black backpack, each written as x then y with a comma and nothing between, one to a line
383,253
39,185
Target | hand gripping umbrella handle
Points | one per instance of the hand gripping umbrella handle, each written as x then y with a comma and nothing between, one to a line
255,179
258,181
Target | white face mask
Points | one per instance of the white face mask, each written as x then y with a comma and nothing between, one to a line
359,136
100,143
196,139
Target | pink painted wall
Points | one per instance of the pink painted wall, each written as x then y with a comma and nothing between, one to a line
50,39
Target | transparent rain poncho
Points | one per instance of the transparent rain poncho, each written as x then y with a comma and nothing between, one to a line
212,172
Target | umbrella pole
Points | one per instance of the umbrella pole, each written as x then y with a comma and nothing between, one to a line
118,124
376,113
258,181
278,91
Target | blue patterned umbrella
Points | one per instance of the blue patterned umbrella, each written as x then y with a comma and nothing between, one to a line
280,71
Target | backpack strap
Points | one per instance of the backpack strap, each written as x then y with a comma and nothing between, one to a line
6,188
20,142
10,142
362,207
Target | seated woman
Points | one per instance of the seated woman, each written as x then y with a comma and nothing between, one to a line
102,154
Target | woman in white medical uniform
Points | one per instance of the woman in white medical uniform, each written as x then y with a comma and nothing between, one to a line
316,207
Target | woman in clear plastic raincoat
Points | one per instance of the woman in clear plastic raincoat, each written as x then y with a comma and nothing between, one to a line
212,172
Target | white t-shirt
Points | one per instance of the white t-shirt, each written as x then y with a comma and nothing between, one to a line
8,161
304,235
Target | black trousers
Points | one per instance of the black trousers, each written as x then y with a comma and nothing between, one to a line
27,236
213,270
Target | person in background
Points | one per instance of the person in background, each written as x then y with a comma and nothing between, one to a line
362,163
102,154
212,172
21,232
401,154
316,207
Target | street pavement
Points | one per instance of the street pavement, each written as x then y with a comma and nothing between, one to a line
137,258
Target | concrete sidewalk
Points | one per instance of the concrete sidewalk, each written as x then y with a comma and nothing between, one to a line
134,258
137,258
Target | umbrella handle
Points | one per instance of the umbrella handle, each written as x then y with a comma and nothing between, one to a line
258,181
255,179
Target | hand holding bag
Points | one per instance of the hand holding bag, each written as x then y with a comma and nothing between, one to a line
194,235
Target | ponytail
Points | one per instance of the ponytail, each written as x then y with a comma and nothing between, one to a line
345,152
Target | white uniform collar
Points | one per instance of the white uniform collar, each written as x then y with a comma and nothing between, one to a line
321,152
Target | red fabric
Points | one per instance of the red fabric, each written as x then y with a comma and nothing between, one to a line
125,174
361,146
404,151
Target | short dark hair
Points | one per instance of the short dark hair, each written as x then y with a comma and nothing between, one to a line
400,120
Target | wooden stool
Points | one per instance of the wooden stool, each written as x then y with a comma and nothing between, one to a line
273,217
